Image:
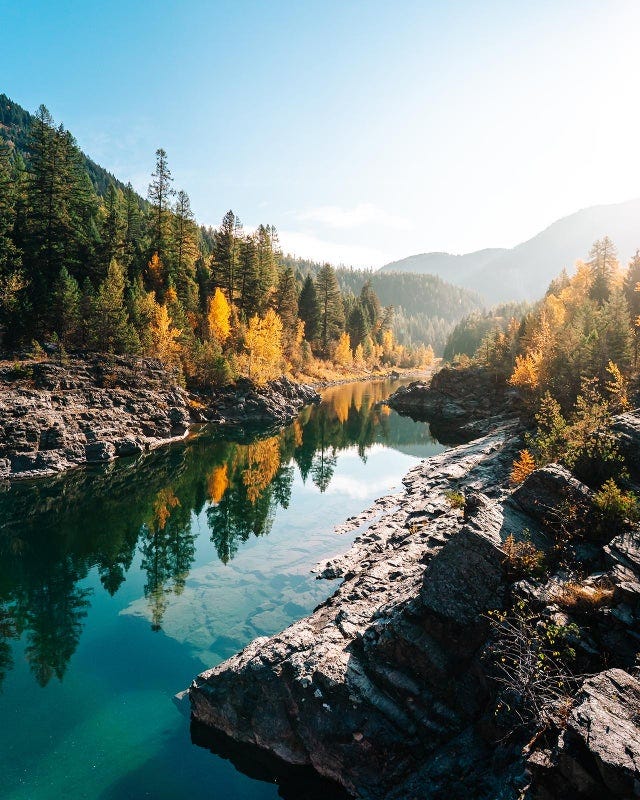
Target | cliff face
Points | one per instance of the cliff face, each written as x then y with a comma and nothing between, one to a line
389,687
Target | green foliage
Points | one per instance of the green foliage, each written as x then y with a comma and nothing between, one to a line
616,507
455,499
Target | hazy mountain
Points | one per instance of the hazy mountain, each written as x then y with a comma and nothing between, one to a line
453,268
525,271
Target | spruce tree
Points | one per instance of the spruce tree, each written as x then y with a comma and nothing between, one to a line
308,309
65,308
111,330
185,245
603,264
331,322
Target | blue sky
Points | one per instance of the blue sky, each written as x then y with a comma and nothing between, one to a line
365,131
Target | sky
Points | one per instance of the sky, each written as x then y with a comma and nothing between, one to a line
364,130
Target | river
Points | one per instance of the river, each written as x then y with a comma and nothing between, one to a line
119,584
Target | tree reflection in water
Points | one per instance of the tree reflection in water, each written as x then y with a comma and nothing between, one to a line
54,532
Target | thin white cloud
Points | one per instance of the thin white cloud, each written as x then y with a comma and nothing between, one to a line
308,245
342,218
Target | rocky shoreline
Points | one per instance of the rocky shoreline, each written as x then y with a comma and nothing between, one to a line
389,688
56,416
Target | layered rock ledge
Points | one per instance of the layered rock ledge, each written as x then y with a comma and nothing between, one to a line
385,688
56,416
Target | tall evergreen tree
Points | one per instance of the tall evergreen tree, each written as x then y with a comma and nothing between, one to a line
111,330
226,254
185,242
603,264
331,320
308,309
160,193
65,308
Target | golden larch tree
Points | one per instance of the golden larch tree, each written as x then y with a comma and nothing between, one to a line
263,345
219,317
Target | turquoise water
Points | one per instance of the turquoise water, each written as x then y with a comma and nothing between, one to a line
119,585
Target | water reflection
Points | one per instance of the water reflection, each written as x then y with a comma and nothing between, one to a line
53,532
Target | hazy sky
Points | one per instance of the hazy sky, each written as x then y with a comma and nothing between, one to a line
365,131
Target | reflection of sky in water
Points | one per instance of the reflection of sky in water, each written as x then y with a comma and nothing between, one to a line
88,561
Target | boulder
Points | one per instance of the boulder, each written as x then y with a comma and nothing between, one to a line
546,491
598,754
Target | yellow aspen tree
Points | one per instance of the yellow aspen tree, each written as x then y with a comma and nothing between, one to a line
263,344
616,388
526,373
522,467
219,316
343,354
164,336
155,271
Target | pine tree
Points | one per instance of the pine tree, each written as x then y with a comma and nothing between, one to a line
331,323
226,254
65,308
112,243
358,324
160,193
309,310
371,306
252,293
286,301
111,331
185,245
603,265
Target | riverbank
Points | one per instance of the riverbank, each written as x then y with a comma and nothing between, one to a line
56,416
396,687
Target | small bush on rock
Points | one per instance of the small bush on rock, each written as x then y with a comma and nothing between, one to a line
455,499
615,506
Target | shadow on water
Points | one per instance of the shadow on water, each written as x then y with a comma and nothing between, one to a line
294,782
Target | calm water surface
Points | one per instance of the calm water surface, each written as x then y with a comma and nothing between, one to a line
119,585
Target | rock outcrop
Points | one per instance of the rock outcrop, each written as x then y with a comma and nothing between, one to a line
388,686
86,411
56,416
244,404
462,403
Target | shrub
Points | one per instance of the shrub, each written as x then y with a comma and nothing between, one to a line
531,660
581,598
522,558
615,506
455,499
522,467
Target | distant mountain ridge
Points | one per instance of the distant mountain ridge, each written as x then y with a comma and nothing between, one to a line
525,271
